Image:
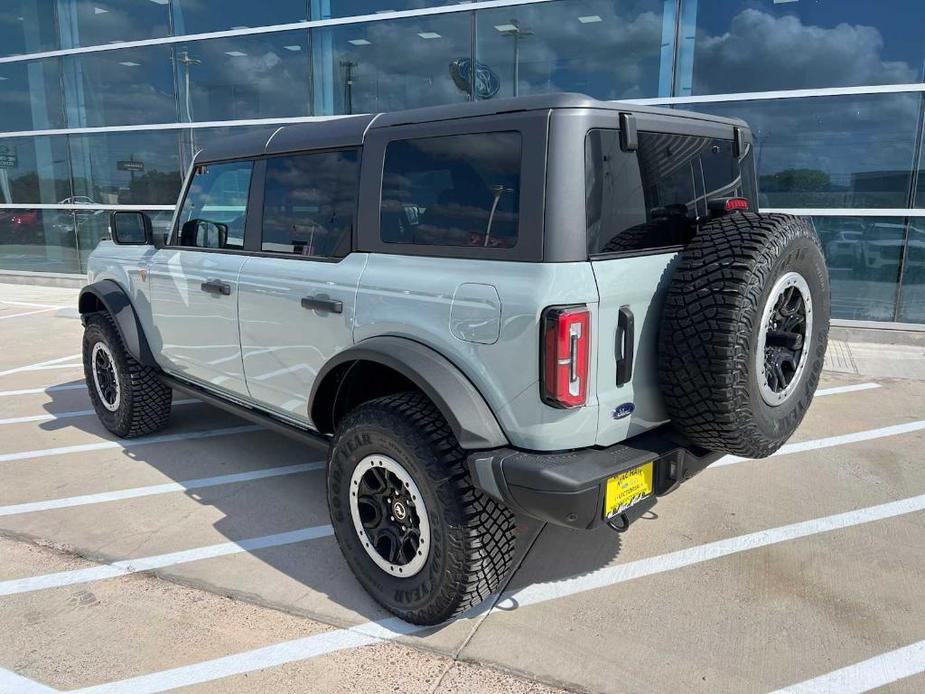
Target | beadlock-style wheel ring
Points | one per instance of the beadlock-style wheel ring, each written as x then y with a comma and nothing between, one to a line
389,516
784,338
105,378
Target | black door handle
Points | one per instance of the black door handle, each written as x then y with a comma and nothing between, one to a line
216,287
318,303
626,339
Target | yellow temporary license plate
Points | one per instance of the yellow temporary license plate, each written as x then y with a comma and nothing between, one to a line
627,489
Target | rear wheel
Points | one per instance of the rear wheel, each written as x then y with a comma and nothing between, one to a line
128,397
744,332
420,538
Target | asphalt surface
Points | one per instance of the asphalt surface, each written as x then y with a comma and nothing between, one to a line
201,557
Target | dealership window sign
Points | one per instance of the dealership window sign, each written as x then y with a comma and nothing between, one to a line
8,159
129,165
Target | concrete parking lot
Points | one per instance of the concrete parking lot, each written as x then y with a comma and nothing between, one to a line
202,558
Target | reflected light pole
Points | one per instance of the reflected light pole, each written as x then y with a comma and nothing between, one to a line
513,30
348,66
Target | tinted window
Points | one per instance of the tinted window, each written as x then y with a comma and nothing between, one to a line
215,208
653,198
198,16
309,203
34,169
27,26
94,22
460,190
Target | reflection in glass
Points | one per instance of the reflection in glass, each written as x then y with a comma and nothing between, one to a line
912,298
92,226
30,95
124,87
261,76
863,255
309,203
34,170
27,26
199,16
37,240
389,66
843,151
140,168
604,48
215,207
326,9
759,45
95,22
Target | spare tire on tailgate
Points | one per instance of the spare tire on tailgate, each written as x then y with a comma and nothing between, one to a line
743,332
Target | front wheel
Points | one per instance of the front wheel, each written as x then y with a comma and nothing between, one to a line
420,538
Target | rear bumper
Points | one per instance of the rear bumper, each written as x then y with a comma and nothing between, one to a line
567,488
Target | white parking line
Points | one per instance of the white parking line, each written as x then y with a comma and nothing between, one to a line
11,683
46,389
68,415
29,303
153,490
830,441
159,561
388,629
48,367
32,367
866,675
29,313
129,443
853,388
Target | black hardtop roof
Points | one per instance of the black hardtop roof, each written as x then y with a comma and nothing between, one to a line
346,131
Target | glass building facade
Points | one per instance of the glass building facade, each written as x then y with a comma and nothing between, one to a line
104,102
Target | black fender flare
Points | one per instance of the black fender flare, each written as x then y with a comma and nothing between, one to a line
462,405
116,301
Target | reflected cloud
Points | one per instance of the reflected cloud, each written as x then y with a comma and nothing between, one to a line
760,52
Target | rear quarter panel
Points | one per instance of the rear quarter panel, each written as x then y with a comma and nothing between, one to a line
413,297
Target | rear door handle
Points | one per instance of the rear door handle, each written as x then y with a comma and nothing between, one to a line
216,287
626,339
317,303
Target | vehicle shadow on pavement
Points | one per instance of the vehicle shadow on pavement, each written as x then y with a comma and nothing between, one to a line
310,577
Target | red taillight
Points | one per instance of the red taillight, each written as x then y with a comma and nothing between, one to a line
736,204
566,335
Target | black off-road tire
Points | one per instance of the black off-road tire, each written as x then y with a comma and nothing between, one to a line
472,535
144,400
711,324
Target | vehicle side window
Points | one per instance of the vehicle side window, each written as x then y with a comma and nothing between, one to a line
653,198
455,190
215,207
309,203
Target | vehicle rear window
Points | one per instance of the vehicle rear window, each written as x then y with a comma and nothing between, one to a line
309,203
653,198
457,190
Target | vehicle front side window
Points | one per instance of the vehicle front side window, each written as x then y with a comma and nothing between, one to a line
215,207
456,190
309,203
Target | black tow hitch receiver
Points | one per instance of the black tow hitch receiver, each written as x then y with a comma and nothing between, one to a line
669,473
621,521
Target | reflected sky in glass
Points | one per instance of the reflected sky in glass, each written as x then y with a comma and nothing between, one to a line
126,87
262,76
606,49
389,66
758,45
845,151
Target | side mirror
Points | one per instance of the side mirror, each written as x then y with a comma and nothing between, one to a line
203,233
131,228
